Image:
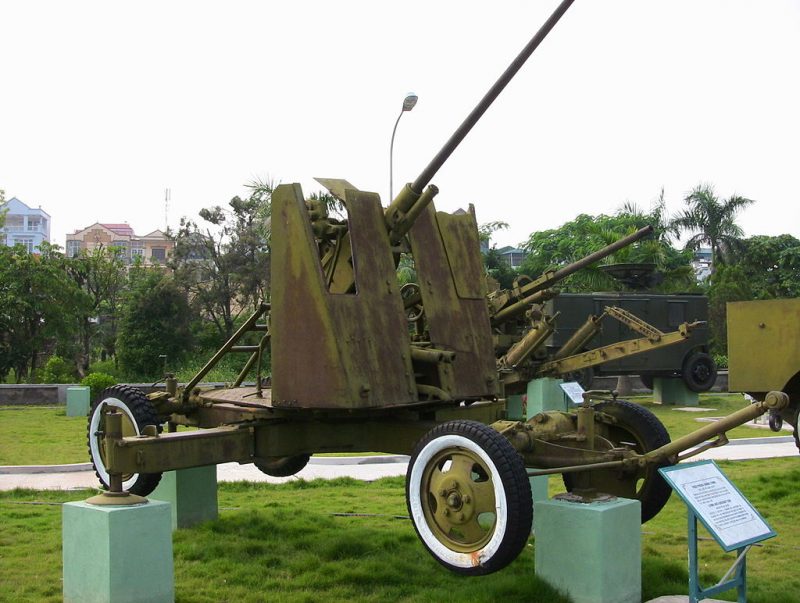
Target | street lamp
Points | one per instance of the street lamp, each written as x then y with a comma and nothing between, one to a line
408,103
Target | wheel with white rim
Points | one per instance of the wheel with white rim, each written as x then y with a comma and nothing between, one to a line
469,497
137,412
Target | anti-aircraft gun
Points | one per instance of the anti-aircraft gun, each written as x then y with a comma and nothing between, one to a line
348,374
522,327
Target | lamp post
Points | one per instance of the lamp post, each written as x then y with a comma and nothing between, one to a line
408,103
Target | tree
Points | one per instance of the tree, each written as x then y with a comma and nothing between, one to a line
714,222
154,322
38,306
496,266
224,264
771,265
586,234
2,211
729,283
100,274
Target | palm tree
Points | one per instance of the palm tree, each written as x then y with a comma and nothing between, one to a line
713,220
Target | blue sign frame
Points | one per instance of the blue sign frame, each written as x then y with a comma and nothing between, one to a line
739,569
667,472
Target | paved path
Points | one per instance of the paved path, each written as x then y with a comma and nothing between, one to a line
368,468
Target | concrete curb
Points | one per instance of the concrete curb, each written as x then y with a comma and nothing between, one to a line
35,469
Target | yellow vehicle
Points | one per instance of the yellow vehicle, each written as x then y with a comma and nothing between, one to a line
764,353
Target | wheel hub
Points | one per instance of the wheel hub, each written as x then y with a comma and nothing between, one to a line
457,504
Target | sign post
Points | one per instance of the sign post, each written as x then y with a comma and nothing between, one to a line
728,516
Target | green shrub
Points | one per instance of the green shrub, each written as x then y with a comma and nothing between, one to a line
721,360
58,370
105,366
98,382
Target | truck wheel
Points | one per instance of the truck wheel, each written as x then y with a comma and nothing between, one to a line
699,372
640,430
283,466
137,412
469,497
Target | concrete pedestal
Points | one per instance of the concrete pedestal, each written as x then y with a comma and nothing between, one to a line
192,494
674,391
592,551
517,408
119,554
78,401
545,394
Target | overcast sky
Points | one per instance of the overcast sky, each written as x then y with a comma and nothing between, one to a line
106,104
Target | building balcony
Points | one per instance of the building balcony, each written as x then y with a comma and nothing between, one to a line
22,229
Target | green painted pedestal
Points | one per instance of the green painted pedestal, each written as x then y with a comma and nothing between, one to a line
119,554
674,391
591,552
78,401
545,394
192,493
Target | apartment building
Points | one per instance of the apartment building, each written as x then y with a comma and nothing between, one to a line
24,225
153,248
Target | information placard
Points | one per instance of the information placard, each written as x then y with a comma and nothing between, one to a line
573,390
721,508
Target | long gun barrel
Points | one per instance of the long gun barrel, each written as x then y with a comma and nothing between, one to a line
507,304
408,199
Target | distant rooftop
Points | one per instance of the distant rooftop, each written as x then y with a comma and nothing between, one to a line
120,229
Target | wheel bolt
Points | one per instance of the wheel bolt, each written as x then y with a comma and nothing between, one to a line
446,512
467,499
461,517
442,492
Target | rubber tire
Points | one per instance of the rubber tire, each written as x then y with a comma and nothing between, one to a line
509,478
283,466
140,412
647,380
699,372
649,434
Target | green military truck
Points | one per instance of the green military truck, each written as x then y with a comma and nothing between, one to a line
690,359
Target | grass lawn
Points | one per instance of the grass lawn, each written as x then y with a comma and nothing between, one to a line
284,543
41,436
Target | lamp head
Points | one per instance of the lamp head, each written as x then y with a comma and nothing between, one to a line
409,101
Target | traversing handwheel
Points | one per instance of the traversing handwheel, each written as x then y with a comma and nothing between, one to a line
137,412
640,430
469,497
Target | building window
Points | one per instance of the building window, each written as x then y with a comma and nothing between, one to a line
26,242
158,254
73,248
34,223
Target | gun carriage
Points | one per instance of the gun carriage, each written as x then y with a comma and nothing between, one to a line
359,363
